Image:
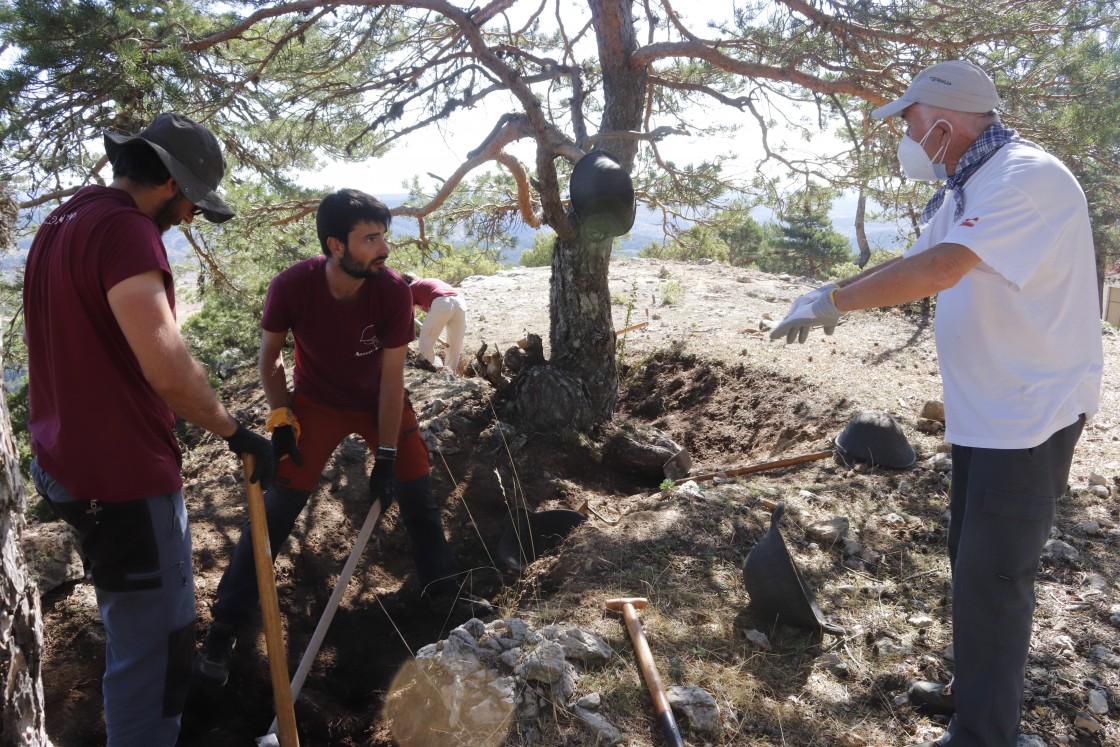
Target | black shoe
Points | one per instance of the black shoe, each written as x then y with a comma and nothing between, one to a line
460,605
211,665
933,697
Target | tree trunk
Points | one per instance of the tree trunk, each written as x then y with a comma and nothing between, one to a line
861,231
22,720
581,329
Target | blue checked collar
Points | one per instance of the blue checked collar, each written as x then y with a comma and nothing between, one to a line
983,148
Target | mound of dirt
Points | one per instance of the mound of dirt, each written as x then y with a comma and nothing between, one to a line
703,372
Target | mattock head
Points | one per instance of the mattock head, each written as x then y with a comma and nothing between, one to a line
638,603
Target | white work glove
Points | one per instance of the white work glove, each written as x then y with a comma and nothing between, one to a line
811,296
814,309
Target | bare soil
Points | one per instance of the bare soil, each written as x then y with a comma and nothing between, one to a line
703,372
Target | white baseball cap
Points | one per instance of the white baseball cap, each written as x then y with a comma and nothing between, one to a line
957,85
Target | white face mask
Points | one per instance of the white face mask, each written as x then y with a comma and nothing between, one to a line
919,166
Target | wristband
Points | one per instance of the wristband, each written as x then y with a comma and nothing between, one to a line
282,416
386,452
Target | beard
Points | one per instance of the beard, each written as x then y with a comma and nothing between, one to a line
351,267
165,216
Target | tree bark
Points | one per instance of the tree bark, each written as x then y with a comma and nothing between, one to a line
861,231
580,324
22,720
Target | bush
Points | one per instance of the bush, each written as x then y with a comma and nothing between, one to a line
540,255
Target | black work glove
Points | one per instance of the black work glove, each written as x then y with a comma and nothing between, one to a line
382,480
284,444
245,441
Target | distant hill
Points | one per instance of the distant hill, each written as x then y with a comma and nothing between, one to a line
647,229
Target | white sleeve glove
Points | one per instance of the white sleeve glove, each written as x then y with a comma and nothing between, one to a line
814,309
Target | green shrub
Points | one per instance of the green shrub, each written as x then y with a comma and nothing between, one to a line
540,254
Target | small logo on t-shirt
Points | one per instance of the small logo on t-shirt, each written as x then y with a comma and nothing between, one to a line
969,222
369,339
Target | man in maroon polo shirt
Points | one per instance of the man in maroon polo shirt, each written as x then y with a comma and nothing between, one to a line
107,374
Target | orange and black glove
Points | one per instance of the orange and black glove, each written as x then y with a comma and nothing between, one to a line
285,436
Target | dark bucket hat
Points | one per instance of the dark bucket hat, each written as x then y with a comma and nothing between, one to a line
777,589
875,438
602,196
191,154
535,533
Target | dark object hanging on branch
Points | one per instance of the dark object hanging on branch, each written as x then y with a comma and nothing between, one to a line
602,196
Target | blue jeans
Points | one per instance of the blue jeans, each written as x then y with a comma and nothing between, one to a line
139,553
237,596
1001,511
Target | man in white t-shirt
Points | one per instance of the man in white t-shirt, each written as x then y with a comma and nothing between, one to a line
1009,251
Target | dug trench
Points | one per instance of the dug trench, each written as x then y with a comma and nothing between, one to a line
488,462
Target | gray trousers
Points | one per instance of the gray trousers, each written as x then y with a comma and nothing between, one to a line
140,556
1001,512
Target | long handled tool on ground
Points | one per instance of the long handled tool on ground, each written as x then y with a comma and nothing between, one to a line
270,610
760,467
328,615
628,607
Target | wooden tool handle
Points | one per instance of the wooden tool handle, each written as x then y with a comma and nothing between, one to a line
270,609
760,467
653,681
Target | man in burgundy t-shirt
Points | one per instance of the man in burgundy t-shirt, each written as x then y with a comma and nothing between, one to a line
351,317
107,374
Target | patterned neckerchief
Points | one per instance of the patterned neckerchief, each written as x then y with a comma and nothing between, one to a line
983,148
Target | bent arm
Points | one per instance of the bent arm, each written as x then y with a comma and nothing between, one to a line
140,306
390,403
274,379
907,279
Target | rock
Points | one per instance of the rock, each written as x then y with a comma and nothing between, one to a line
933,410
829,531
578,645
1086,722
591,702
921,621
1098,702
757,639
1090,528
604,731
690,490
698,707
1098,479
1100,491
1055,551
941,462
944,447
1104,656
889,647
545,664
51,552
932,427
894,520
1029,740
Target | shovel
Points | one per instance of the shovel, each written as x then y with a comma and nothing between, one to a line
270,609
269,739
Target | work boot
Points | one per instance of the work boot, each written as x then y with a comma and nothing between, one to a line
211,665
933,697
459,605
